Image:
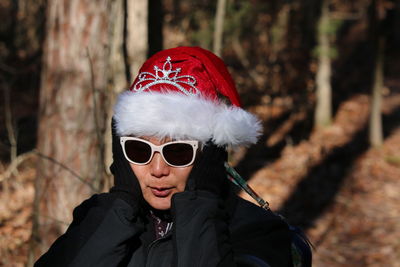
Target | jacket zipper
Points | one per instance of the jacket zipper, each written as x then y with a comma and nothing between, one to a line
153,243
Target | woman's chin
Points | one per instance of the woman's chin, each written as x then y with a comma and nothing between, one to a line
159,203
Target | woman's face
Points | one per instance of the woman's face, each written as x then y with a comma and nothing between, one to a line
158,180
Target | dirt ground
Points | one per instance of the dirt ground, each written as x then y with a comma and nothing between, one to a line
342,192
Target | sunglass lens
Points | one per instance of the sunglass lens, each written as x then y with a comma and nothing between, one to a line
137,151
178,154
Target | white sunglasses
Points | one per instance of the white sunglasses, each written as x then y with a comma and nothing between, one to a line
176,153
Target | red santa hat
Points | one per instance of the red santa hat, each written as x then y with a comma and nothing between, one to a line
185,93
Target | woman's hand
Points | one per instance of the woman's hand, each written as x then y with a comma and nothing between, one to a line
126,185
209,172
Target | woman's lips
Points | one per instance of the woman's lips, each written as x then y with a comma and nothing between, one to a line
161,191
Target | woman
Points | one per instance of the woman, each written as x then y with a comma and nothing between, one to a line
172,204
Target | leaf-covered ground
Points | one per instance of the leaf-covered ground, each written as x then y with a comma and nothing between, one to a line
342,192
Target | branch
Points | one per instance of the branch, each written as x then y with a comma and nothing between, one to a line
8,69
74,174
12,136
51,218
21,158
241,55
14,165
92,83
96,110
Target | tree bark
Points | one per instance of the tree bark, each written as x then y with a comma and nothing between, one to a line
323,110
117,76
71,116
137,35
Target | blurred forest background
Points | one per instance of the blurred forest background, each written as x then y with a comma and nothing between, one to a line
323,75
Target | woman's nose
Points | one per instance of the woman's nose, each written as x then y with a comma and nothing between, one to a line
158,167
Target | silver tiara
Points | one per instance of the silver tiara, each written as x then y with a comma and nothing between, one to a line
167,75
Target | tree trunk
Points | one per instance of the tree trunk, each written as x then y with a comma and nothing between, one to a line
137,35
378,44
155,27
117,76
323,110
71,116
219,27
375,125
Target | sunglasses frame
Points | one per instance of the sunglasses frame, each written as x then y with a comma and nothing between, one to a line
155,148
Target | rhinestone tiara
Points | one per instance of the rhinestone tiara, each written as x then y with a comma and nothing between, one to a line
167,75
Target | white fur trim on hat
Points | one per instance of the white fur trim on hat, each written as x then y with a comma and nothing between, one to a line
178,116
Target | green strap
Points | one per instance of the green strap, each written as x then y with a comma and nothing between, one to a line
235,177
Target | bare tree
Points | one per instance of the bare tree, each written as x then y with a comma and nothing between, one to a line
377,15
128,49
71,116
117,74
323,110
375,124
219,27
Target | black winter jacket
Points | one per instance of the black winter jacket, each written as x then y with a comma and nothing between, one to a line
107,231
